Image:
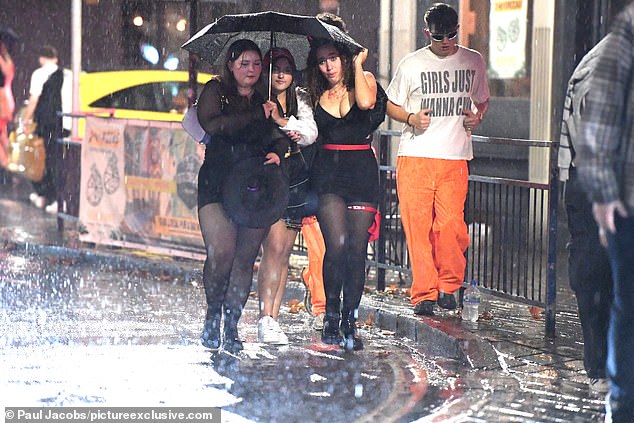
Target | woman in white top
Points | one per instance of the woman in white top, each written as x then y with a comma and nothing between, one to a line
292,112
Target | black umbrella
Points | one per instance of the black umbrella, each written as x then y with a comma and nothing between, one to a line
266,29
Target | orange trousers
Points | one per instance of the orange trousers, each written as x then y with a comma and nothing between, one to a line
313,274
432,193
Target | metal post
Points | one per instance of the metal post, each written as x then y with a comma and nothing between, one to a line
192,91
551,276
384,157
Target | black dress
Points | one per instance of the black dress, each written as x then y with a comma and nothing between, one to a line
238,130
350,174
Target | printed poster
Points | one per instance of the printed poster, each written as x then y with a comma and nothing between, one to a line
507,39
158,199
102,190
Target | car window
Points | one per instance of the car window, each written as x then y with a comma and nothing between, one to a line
170,96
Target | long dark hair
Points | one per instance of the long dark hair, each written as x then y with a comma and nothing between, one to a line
291,95
315,81
233,53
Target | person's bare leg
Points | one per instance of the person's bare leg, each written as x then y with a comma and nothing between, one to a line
291,235
270,271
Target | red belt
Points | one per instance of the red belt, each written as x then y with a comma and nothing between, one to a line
349,147
363,208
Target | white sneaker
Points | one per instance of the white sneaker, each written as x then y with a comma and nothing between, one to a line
51,208
318,322
37,200
269,332
598,386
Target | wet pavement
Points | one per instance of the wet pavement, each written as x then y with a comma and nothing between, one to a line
85,325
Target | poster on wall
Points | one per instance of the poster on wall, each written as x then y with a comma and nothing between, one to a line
157,202
507,39
102,191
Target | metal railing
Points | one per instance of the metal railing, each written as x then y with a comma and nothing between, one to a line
512,225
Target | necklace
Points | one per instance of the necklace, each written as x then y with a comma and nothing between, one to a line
336,92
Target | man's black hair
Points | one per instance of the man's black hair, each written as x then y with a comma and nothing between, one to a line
441,18
49,52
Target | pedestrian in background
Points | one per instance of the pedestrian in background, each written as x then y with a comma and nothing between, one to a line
292,112
50,92
345,177
431,169
605,160
589,272
236,116
7,102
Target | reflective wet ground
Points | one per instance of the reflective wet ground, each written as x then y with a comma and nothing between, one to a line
84,326
75,332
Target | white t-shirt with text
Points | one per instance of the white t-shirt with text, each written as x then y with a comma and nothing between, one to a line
447,85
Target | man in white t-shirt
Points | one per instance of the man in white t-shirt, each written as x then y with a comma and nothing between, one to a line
440,92
50,91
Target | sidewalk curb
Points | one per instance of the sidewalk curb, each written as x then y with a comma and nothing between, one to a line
442,335
445,336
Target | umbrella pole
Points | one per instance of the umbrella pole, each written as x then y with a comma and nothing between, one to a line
271,44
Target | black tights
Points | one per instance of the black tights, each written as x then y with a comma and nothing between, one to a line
231,253
346,237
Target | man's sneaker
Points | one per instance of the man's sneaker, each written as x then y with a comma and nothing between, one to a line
269,332
446,301
598,386
318,322
37,200
51,208
424,308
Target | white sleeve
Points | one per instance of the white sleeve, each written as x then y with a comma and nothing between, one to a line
397,89
305,122
481,86
37,82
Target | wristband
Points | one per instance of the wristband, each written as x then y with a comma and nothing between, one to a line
407,120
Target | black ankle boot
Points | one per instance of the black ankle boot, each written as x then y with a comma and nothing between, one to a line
330,333
350,339
231,341
210,337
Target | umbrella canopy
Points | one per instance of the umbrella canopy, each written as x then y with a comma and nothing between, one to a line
266,29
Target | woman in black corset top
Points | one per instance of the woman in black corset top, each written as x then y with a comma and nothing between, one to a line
345,176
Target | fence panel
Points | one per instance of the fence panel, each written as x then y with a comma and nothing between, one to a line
512,226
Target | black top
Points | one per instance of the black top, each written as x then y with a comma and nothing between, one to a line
237,124
353,128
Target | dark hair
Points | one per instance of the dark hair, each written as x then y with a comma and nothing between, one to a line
332,19
442,17
233,53
49,52
291,96
315,81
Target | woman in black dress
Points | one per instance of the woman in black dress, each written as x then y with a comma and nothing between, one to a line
345,176
236,117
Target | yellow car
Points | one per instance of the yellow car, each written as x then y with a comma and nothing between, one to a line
137,94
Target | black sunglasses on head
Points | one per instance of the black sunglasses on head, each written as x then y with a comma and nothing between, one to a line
440,37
